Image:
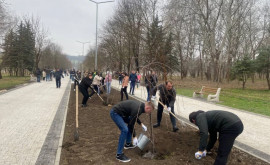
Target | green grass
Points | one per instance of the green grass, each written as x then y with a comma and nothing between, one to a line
8,82
257,101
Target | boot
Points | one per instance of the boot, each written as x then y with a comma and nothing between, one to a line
175,129
156,125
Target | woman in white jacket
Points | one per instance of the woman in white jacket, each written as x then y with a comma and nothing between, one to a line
96,83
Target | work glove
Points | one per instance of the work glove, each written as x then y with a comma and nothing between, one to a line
169,109
200,154
153,98
135,141
144,127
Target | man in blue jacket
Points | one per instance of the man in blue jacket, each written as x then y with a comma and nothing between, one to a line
133,79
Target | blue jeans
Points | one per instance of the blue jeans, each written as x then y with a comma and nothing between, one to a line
47,77
38,78
125,135
148,93
132,87
108,85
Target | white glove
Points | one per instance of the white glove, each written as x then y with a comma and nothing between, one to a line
169,109
135,141
129,81
204,153
153,98
199,154
144,127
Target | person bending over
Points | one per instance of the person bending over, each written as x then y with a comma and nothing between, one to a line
227,124
83,87
125,114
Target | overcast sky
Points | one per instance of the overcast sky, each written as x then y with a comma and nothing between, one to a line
67,21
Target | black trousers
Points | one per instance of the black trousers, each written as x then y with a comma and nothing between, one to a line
75,83
93,92
58,83
85,94
159,115
124,90
226,140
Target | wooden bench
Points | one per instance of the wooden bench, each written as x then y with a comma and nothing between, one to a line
213,93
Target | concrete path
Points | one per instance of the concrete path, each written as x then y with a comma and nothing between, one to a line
255,138
26,116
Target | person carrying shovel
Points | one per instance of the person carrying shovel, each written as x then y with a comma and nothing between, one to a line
166,100
125,114
227,124
83,87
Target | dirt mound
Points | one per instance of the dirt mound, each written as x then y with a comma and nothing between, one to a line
99,139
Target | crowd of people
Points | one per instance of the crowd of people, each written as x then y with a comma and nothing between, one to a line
212,124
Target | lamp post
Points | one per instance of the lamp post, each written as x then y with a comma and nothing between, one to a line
97,3
82,54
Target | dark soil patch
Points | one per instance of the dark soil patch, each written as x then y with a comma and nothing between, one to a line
99,139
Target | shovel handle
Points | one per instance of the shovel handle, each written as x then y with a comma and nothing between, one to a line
167,110
77,107
98,94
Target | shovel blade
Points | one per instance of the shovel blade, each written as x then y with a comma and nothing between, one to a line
76,135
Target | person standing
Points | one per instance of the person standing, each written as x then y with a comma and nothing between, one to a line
150,82
43,75
77,78
124,115
227,124
47,74
124,86
133,80
38,74
108,81
58,75
138,79
120,77
167,97
83,87
96,83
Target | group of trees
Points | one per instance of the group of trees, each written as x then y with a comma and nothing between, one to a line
26,46
205,39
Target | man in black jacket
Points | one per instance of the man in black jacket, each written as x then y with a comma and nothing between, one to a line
227,124
167,97
83,87
125,114
58,74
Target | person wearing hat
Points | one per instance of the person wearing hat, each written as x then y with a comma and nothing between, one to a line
124,115
83,87
227,124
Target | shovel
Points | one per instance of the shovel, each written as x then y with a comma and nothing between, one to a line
76,133
167,109
104,103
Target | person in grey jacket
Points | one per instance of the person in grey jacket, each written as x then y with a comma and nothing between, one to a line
167,97
227,124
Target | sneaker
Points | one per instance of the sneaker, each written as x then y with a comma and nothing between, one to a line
122,158
129,146
175,129
84,105
89,97
156,125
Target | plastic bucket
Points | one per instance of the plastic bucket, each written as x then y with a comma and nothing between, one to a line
142,141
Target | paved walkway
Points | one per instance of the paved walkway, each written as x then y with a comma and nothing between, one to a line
26,116
255,138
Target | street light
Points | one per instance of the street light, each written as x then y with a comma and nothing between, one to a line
82,54
97,3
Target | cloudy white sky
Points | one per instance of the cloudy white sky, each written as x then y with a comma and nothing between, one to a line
67,21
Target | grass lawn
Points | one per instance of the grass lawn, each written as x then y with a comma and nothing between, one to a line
257,101
8,82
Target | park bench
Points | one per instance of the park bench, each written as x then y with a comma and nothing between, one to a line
213,93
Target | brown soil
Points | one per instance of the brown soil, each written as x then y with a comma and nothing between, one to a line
99,138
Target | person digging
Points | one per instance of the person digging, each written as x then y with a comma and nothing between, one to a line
83,87
227,124
125,114
167,98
